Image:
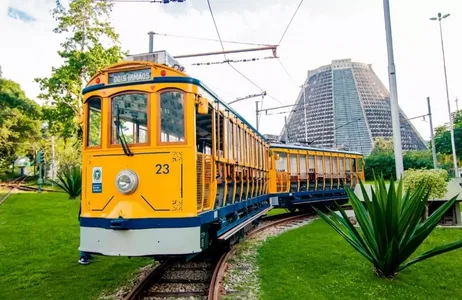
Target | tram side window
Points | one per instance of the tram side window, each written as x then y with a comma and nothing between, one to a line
293,165
360,164
130,118
311,163
281,164
319,168
94,123
172,114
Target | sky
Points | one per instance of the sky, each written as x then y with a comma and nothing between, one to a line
323,30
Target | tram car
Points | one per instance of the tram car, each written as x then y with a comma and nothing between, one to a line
302,177
169,168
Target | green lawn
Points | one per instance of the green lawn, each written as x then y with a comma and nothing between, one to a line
39,237
314,262
276,211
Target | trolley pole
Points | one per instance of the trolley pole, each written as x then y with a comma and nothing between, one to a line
435,162
393,94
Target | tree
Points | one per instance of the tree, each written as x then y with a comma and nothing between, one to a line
19,122
443,137
382,145
84,52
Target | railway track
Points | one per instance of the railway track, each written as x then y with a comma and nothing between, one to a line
11,185
202,277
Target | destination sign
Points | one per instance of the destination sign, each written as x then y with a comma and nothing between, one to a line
130,76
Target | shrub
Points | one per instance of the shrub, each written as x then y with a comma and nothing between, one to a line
391,226
68,155
434,179
70,180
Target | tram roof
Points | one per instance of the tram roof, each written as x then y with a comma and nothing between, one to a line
176,79
295,147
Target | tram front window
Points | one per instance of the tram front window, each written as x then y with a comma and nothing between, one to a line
130,118
172,114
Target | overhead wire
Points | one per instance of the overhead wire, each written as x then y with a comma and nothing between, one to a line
287,72
234,68
208,39
288,25
232,61
282,37
216,28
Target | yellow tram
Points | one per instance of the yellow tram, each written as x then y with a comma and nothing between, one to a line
169,168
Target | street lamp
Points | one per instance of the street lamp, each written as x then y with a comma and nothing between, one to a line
393,94
451,125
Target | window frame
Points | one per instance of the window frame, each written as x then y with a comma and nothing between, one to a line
148,112
87,125
159,119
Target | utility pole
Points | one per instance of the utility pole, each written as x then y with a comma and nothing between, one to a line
53,170
393,94
304,108
151,41
435,163
287,129
256,113
451,122
457,102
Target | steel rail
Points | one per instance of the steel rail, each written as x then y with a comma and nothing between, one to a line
144,285
215,289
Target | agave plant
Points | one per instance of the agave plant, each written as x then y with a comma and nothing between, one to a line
70,180
391,226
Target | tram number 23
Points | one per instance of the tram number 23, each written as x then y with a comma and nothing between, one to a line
162,169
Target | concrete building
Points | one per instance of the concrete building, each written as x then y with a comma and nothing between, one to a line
347,107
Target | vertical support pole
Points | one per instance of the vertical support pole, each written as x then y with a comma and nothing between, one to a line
53,170
256,113
393,94
451,121
435,163
287,129
151,41
304,108
40,180
457,104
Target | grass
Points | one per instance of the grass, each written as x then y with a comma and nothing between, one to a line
314,262
39,239
276,211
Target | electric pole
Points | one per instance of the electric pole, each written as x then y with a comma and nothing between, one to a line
151,41
457,100
304,108
435,162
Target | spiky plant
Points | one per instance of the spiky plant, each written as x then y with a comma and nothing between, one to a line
392,227
70,180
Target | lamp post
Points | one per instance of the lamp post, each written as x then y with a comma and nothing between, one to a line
451,125
393,94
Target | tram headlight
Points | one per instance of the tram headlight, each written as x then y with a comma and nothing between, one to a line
126,182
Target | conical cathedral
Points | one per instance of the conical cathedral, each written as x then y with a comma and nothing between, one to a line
347,107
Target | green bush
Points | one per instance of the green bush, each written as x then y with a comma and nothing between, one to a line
434,179
391,226
70,180
68,156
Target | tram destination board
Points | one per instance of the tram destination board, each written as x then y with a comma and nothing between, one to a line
130,76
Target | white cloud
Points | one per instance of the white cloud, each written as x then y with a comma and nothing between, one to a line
322,31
